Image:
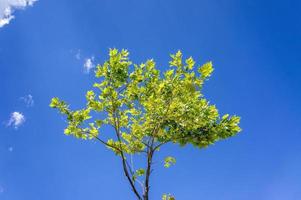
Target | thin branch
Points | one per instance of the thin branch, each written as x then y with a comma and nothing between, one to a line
126,171
147,145
142,185
129,167
132,163
103,142
124,164
159,145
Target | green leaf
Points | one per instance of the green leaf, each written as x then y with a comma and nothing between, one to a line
140,172
168,161
206,70
190,63
54,102
168,197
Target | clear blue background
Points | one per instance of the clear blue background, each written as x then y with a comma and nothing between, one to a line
255,46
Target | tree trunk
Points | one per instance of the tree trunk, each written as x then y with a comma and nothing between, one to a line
147,175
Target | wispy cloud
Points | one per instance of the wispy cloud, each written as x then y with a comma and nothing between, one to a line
16,119
28,100
89,64
10,149
78,55
88,61
7,8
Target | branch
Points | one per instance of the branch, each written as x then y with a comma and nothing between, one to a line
146,144
124,164
130,168
126,170
159,145
103,142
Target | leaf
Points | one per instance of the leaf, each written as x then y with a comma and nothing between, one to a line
140,172
190,63
206,70
168,197
54,102
176,59
168,161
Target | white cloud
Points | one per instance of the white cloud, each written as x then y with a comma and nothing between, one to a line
7,8
28,100
16,119
88,65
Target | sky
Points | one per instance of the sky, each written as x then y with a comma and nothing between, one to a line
50,48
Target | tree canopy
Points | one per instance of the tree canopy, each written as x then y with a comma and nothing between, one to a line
146,110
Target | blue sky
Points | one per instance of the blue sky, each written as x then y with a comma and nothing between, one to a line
255,47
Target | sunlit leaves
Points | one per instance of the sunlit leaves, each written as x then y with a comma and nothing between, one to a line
147,105
168,197
176,60
206,70
189,63
61,105
168,161
138,173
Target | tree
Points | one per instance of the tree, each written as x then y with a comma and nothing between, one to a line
146,110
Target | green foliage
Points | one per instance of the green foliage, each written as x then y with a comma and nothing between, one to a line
168,161
148,109
138,172
168,197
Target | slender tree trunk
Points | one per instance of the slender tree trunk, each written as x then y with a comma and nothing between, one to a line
147,175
